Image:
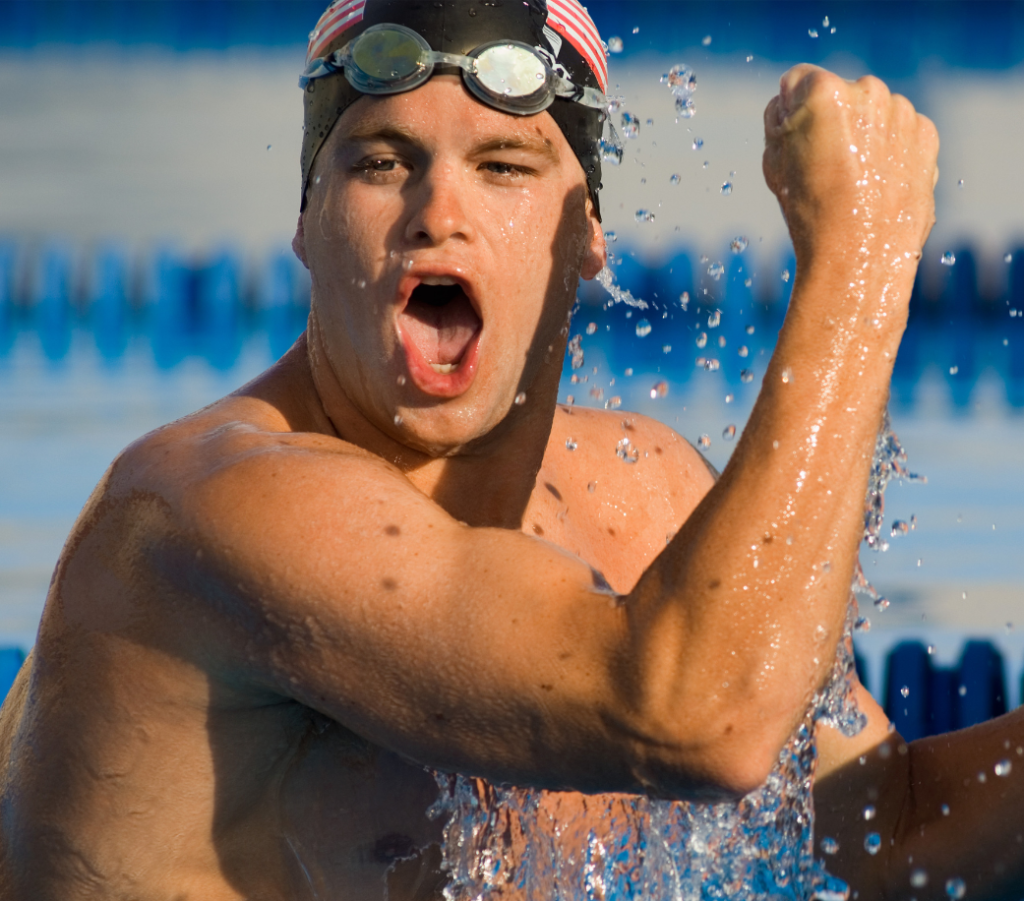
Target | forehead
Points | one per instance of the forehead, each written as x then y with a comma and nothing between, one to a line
443,111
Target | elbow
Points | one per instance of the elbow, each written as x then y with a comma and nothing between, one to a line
708,759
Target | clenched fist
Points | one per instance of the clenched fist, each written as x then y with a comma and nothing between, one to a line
854,169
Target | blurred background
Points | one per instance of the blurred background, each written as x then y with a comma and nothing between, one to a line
149,187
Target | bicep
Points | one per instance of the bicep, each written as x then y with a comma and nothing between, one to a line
475,649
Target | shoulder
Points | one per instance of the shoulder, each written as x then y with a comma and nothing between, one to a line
644,463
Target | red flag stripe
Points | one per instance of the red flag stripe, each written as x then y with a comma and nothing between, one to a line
572,20
335,20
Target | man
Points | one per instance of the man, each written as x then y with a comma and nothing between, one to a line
384,553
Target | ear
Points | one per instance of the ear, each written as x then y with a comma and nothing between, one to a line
299,241
596,254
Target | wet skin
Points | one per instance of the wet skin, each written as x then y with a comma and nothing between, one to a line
273,613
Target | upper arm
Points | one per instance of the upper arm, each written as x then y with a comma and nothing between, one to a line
326,576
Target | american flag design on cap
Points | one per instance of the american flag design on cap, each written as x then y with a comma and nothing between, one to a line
341,14
573,22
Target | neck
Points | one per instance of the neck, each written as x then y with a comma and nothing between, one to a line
488,482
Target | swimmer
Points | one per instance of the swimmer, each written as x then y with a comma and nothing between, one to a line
382,554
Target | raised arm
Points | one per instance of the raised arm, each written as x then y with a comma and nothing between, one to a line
332,581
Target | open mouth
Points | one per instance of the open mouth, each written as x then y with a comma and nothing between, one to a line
439,324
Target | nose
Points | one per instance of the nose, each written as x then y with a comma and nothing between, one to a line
438,208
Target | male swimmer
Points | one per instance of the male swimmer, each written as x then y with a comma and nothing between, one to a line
273,614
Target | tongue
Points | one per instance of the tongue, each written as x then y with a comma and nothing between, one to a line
441,333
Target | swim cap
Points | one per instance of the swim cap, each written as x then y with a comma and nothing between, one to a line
561,29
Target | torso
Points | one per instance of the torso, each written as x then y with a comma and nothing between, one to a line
129,772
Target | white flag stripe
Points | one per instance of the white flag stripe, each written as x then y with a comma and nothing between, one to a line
332,22
572,15
582,33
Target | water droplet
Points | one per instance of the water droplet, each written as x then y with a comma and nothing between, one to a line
829,845
721,341
636,30
702,339
812,32
269,146
738,244
591,487
743,351
1003,768
591,328
575,351
960,183
615,44
629,371
520,399
643,216
714,318
611,151
905,691
570,400
872,841
945,810
704,441
706,40
398,419
955,888
729,398
962,690
729,432
711,365
727,188
749,58
570,445
1008,258
869,812
746,376
666,348
613,403
684,300
611,237
785,275
862,624
716,271
824,22
630,126
674,180
787,376
918,878
931,649
660,389
747,282
882,604
597,393
899,528
750,330
697,144
948,258
400,380
953,370
643,328
626,452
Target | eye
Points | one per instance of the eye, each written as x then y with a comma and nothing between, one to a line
376,164
506,171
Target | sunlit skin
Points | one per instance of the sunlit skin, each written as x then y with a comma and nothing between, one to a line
271,614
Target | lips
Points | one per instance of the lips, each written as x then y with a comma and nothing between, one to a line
440,327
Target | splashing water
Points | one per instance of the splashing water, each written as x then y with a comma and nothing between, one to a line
547,846
606,279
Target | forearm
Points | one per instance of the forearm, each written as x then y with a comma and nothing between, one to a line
738,620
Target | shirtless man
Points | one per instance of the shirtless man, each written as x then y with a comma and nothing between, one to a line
377,556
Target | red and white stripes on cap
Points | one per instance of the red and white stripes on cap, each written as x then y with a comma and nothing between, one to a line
567,17
341,14
573,22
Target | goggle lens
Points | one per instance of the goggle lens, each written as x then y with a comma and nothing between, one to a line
508,70
387,55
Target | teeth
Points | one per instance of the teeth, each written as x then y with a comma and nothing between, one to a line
444,368
439,280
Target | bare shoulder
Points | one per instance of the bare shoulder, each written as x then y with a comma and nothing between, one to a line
635,452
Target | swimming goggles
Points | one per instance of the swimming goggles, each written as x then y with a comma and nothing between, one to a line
508,75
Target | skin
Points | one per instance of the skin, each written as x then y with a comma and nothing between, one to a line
273,613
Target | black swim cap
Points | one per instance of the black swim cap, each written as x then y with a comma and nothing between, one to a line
561,28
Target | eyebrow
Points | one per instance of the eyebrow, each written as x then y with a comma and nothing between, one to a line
398,135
